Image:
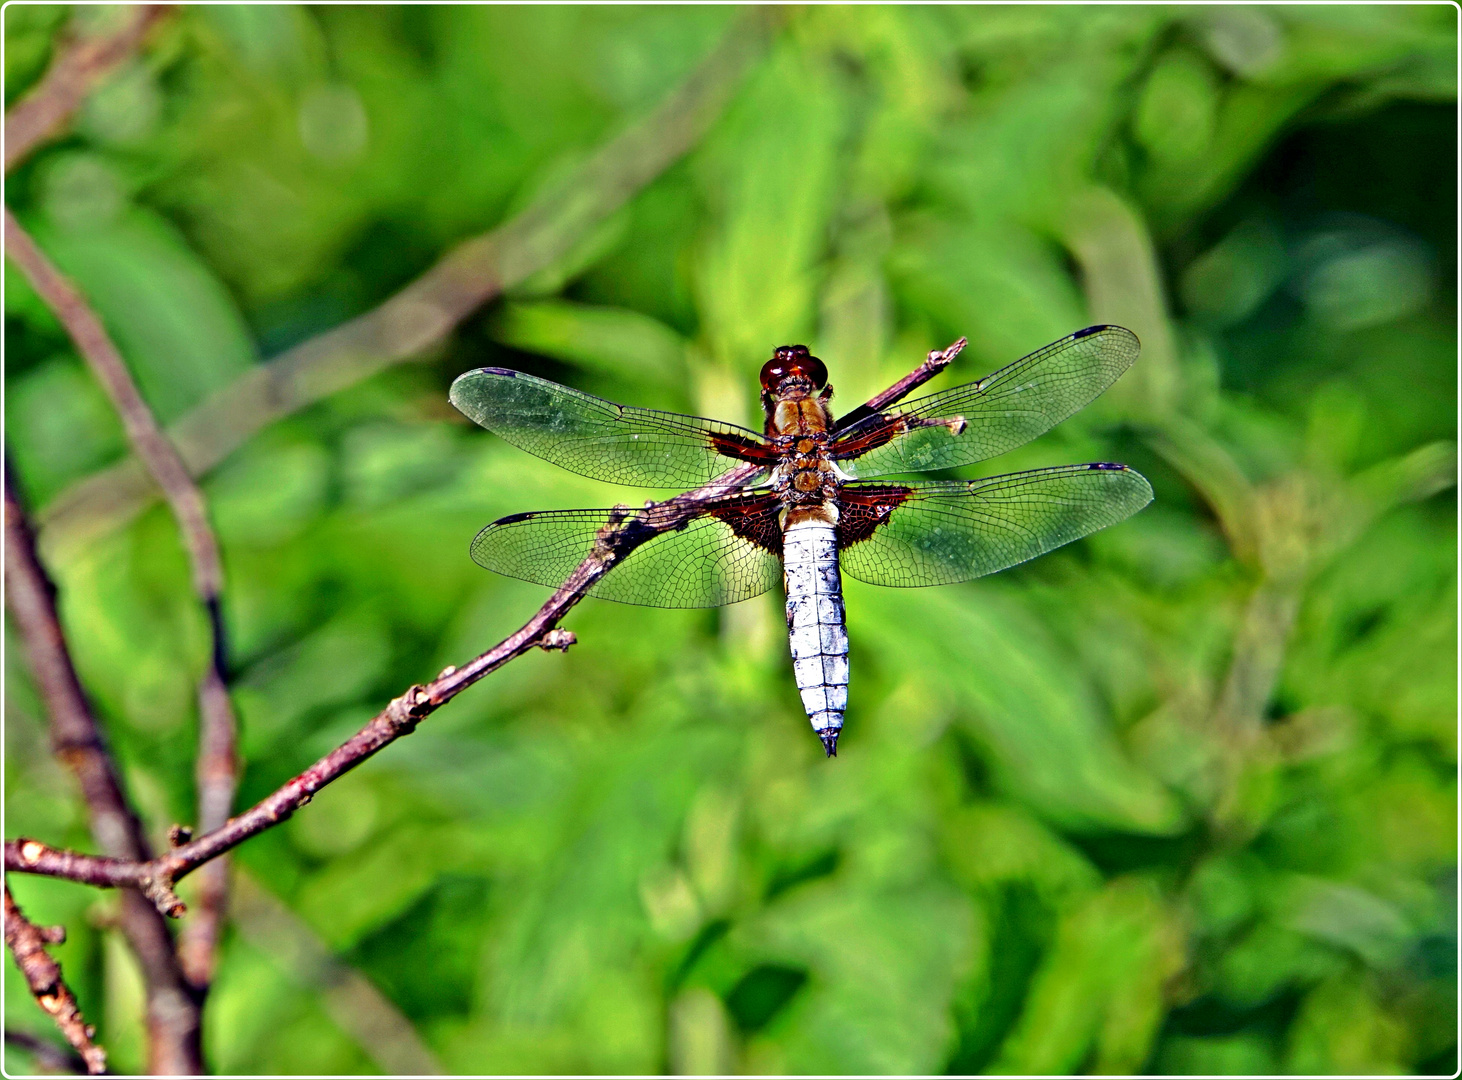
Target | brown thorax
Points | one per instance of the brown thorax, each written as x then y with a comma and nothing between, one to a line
795,396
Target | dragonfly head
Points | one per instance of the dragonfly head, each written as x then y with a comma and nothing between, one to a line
793,362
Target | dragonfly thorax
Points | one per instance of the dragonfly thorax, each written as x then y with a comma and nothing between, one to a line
806,474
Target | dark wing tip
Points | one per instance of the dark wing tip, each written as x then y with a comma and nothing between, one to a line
507,373
1108,466
830,741
1103,328
454,393
1099,328
512,519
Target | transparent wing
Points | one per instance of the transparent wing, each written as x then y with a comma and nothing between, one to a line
597,438
998,413
937,533
731,553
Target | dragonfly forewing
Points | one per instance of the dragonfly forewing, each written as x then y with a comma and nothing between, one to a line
995,414
597,438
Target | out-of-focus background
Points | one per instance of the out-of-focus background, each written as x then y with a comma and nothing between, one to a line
1177,798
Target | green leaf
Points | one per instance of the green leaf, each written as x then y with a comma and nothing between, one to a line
768,174
611,341
1100,987
884,966
1031,711
1342,1027
987,845
1176,116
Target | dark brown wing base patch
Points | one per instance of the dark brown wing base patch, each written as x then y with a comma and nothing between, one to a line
756,518
863,509
743,449
872,433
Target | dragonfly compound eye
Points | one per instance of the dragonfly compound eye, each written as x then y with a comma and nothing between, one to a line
791,361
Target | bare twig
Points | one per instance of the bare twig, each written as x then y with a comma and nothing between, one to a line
147,438
934,363
27,942
426,311
75,736
217,770
157,877
43,112
172,1008
217,779
46,1054
32,856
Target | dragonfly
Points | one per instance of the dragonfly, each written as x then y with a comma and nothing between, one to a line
809,512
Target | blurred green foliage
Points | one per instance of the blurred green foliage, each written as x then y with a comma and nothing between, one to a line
1178,798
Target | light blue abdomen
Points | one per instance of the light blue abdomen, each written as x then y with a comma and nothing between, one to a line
815,625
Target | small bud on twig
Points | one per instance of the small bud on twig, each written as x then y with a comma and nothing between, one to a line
160,891
557,638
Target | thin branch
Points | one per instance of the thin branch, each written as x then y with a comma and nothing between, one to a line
422,314
934,363
44,111
147,438
217,768
34,857
622,534
75,736
217,774
172,1008
157,877
27,943
46,1054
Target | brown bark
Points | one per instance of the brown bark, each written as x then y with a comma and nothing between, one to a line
27,943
